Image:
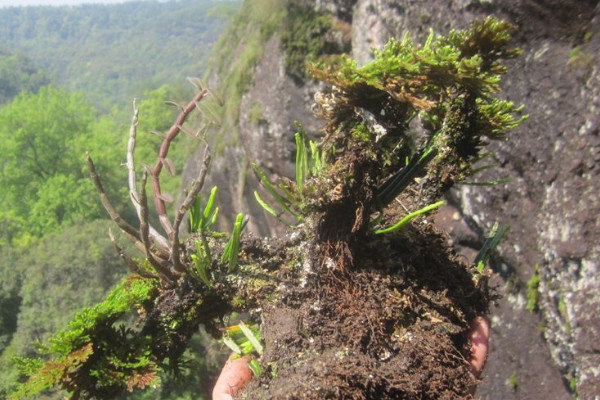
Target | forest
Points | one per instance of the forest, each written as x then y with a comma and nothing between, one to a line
115,52
56,105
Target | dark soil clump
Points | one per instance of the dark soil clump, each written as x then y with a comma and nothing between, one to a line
392,328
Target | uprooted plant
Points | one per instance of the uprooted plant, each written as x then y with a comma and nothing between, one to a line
362,298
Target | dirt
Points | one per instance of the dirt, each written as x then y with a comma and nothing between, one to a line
392,327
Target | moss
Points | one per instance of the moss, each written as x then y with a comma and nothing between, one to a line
305,38
533,293
238,51
256,113
573,382
513,381
580,59
361,133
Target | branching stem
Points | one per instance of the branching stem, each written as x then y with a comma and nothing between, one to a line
133,193
162,155
114,215
184,207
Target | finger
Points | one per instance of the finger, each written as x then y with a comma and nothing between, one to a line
479,336
234,376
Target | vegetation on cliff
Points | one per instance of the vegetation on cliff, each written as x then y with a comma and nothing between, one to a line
351,303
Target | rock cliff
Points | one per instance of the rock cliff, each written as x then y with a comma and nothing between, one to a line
552,198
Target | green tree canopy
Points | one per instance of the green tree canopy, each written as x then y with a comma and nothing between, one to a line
38,132
17,73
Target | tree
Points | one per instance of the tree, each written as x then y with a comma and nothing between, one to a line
17,73
38,132
43,176
361,298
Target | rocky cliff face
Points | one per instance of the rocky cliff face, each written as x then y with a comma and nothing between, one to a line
551,202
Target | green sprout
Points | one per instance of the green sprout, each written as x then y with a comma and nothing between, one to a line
310,160
302,171
230,254
307,164
201,221
204,221
244,340
409,217
282,200
489,245
203,261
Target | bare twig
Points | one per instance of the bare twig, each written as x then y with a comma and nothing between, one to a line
133,266
133,193
161,267
184,207
114,215
162,155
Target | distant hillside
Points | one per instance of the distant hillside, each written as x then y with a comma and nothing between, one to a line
18,73
114,52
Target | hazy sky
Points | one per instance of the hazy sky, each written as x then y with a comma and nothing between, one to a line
7,3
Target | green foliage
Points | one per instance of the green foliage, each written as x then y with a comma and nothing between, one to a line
130,293
203,262
580,59
45,136
305,38
10,302
496,234
445,87
310,161
283,200
61,273
202,220
533,293
18,74
244,340
43,185
513,381
409,217
231,251
92,333
115,52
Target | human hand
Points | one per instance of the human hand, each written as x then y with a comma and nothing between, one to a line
479,336
236,374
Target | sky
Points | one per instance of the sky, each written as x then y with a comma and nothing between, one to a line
8,3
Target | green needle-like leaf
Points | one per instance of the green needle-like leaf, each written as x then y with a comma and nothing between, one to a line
230,254
251,337
254,366
410,216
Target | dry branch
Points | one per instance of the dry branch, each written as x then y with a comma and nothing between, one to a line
133,266
114,215
161,267
185,206
162,155
133,193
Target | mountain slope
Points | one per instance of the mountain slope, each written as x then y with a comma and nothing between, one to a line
117,51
